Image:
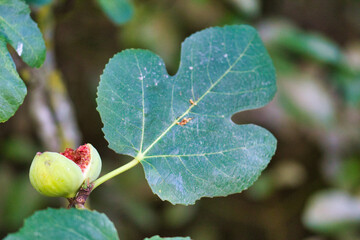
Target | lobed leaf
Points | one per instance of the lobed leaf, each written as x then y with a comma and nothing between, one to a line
66,224
180,127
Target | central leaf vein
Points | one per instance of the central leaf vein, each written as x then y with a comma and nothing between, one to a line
143,104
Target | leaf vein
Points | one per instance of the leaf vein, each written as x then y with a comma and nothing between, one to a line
143,104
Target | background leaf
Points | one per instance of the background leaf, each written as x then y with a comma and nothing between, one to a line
170,238
66,224
119,11
13,89
313,45
38,2
348,82
332,211
22,32
223,71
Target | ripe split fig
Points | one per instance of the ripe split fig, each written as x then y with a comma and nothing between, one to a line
62,174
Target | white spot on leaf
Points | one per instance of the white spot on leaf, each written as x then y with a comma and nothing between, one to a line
19,49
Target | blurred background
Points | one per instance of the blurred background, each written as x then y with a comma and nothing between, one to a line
310,190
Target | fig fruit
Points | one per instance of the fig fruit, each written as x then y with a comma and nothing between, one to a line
62,174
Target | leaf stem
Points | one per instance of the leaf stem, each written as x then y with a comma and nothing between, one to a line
116,172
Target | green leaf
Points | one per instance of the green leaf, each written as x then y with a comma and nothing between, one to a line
66,224
223,71
18,29
157,237
22,32
13,89
38,2
312,45
348,82
119,11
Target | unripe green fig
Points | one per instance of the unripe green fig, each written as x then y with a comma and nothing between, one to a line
54,175
62,174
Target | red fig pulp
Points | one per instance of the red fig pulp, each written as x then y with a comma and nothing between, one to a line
80,156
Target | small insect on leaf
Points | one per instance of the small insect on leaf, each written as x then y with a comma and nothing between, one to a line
192,102
184,121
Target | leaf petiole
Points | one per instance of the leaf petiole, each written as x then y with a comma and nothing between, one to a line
116,172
